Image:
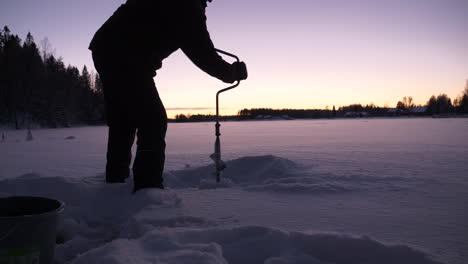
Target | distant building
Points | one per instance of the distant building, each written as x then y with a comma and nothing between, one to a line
356,114
395,112
270,117
263,117
419,110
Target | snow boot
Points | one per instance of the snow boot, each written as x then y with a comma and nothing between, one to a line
147,170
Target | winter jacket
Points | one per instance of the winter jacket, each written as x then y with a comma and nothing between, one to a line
145,32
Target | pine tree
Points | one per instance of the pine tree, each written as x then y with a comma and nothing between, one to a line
86,96
13,67
98,84
33,76
3,108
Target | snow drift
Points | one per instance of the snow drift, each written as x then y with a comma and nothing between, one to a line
275,174
251,244
242,171
105,223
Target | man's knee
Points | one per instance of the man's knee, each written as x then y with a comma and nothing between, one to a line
163,121
153,117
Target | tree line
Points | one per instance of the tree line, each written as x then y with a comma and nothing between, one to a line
436,105
180,118
442,104
266,113
37,88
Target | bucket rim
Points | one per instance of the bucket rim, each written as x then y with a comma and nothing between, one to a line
58,210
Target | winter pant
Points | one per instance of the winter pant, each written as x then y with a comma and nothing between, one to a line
133,108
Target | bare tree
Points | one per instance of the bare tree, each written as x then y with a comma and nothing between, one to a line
46,49
408,102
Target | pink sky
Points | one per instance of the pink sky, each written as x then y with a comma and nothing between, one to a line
300,54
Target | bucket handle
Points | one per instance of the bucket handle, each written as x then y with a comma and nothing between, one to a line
9,232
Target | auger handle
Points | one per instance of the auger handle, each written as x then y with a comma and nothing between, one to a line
224,90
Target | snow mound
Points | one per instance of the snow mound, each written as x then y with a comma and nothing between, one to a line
275,174
97,213
316,188
242,171
90,196
206,184
250,245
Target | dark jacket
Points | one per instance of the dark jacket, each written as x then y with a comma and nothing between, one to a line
145,32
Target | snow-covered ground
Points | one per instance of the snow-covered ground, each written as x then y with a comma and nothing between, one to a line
311,191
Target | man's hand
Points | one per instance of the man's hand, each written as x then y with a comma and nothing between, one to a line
239,71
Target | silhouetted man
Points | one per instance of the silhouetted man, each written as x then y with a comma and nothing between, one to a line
127,50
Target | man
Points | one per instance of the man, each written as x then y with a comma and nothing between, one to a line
127,50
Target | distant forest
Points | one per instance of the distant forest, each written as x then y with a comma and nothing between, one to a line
36,88
436,106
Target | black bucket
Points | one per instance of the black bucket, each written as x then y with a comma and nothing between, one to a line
28,227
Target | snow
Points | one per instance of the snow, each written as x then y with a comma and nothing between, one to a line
242,171
249,245
341,191
106,224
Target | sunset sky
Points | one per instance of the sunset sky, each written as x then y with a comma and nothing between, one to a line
300,53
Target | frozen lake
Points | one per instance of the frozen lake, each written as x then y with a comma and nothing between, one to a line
399,181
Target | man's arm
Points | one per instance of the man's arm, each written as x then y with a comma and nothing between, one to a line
197,45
